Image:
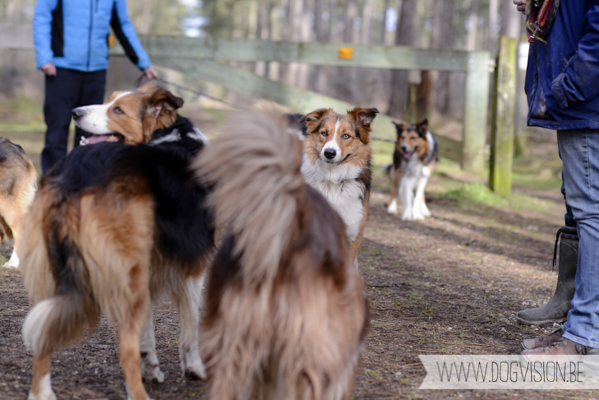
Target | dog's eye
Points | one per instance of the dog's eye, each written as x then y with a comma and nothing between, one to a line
345,136
118,110
324,133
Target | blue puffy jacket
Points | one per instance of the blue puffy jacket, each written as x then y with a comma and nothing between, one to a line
73,34
562,78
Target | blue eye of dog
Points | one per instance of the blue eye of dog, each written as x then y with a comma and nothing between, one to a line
324,133
118,110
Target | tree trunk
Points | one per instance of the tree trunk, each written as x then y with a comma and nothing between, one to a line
442,38
493,26
511,19
284,72
366,20
332,20
472,26
383,37
405,35
351,12
511,25
344,79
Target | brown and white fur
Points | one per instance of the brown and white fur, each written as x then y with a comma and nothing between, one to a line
285,314
18,181
337,163
97,239
414,159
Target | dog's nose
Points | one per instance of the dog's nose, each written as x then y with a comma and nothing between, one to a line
77,113
404,149
330,154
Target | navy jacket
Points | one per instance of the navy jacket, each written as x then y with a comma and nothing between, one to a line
73,34
562,77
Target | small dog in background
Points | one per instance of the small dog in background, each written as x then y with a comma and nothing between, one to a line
18,181
414,158
285,310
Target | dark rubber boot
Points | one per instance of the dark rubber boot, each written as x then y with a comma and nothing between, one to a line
559,305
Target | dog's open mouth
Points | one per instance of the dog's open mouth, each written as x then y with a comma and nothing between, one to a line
111,138
408,154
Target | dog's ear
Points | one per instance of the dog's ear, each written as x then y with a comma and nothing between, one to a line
399,128
364,116
422,128
162,98
316,115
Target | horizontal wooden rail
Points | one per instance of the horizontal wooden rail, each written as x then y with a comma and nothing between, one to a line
386,57
296,99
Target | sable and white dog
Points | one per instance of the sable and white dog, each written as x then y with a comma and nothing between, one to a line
285,312
337,164
414,158
17,188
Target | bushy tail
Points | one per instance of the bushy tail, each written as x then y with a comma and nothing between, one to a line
254,166
55,321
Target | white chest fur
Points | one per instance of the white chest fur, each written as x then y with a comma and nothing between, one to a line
339,185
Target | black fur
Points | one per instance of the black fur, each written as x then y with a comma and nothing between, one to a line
184,225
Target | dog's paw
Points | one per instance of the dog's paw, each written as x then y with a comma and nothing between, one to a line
196,371
13,262
45,393
151,373
155,376
407,217
392,209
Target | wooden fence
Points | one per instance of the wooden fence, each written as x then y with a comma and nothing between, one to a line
206,59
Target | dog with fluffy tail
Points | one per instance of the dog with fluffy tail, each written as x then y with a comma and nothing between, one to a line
285,315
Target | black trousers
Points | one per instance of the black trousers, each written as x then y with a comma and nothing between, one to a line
65,91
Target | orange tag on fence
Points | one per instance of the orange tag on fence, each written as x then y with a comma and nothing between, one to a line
345,53
110,40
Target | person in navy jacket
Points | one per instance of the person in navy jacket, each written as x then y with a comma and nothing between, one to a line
563,94
71,48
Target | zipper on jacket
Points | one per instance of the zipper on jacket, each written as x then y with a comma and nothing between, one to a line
89,39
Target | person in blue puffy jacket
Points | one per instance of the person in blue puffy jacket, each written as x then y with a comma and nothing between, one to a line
71,48
563,94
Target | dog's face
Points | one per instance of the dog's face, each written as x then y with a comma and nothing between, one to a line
334,138
410,138
128,116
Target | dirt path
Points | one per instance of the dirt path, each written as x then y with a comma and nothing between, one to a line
448,285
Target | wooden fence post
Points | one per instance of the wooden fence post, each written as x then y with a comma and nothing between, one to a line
476,112
502,118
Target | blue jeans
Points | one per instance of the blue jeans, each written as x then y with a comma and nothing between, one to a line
579,150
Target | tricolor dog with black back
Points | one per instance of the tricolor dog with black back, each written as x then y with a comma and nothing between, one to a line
414,158
337,164
111,228
18,181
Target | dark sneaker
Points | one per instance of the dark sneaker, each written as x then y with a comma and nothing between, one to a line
543,341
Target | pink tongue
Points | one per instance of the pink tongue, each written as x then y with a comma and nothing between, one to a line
97,139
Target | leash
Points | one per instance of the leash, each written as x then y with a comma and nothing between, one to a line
198,93
193,91
383,140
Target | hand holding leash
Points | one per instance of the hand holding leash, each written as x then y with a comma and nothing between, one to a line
150,73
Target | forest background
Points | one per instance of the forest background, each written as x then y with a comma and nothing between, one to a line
436,24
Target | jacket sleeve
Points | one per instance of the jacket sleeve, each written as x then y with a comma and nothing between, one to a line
42,31
578,83
125,32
